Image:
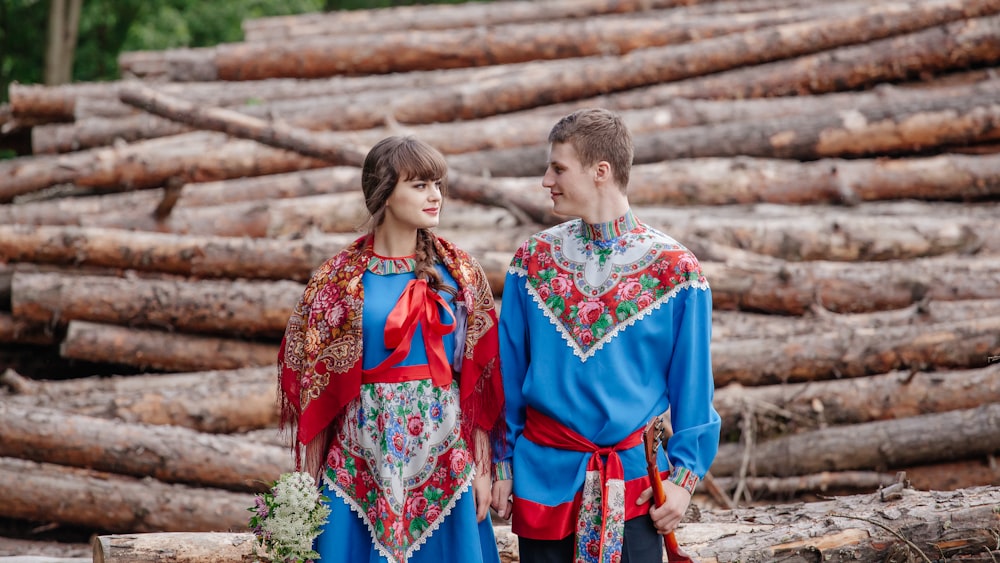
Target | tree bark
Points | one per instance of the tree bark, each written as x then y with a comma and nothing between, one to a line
543,39
948,476
156,350
714,181
432,17
766,285
951,526
21,331
880,445
516,129
733,325
686,182
867,232
82,100
958,45
192,157
920,525
218,547
887,129
111,503
175,547
166,453
217,402
789,408
187,255
64,23
465,186
208,256
238,308
73,211
57,552
100,132
649,66
855,353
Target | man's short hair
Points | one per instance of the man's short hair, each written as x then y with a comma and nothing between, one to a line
597,134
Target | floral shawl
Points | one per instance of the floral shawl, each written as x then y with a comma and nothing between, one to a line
320,359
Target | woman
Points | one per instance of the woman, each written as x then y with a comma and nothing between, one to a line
390,379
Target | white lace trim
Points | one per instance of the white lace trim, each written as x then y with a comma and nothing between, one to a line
382,549
578,351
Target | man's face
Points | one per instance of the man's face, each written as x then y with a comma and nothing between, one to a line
570,185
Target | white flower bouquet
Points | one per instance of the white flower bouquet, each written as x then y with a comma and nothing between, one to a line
288,519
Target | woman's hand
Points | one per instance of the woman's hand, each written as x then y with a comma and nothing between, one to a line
481,488
482,482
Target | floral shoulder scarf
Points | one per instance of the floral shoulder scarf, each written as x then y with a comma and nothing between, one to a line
320,358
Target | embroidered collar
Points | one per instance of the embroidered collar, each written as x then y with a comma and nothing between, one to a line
383,265
602,232
592,290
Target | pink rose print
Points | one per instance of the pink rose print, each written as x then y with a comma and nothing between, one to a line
629,289
561,285
335,314
644,300
414,425
458,461
590,311
544,292
686,263
415,506
584,337
397,529
381,506
432,513
343,479
335,459
339,261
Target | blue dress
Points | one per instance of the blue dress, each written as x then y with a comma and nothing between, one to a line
399,475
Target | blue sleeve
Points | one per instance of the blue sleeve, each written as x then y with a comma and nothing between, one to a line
691,387
514,356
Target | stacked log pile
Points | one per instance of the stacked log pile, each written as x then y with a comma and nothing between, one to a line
836,168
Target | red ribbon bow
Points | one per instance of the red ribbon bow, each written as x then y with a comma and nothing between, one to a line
418,306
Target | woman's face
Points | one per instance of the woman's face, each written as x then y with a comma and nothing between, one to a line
414,204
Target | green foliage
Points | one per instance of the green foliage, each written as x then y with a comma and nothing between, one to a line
22,41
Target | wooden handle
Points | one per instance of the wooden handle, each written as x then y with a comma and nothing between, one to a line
651,439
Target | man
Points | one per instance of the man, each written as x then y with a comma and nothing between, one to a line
605,323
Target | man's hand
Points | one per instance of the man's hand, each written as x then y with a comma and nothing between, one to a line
665,517
502,501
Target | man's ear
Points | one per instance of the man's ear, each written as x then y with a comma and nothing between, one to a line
602,171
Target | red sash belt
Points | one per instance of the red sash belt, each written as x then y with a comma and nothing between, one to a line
417,306
546,431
